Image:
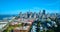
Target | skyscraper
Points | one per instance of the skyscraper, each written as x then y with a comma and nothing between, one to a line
28,14
44,12
20,14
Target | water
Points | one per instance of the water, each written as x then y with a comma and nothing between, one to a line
6,16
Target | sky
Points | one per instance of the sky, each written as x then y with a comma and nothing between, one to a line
16,6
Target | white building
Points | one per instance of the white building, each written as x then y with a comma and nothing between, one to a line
3,26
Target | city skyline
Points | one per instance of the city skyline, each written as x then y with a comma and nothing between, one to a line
16,6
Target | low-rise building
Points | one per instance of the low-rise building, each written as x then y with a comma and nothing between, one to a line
3,26
22,29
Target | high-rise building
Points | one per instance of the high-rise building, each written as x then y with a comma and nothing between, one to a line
40,14
20,14
44,12
28,14
25,15
35,15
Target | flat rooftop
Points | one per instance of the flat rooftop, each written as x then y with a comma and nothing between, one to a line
22,28
3,24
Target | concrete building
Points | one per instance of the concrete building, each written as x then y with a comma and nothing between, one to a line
3,26
22,29
44,12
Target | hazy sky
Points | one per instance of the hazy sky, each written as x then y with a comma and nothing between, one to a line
15,6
